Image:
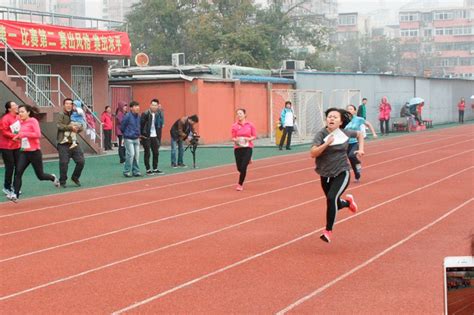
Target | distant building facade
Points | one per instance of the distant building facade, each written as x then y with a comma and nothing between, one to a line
117,10
438,41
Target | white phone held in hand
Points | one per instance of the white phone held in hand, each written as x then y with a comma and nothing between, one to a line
458,285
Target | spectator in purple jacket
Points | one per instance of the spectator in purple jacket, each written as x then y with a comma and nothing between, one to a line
122,109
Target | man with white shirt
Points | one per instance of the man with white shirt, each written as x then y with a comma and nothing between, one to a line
151,123
287,120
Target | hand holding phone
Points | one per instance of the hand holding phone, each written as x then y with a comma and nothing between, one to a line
458,284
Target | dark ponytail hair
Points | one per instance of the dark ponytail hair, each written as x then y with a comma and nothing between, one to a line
33,110
346,117
8,105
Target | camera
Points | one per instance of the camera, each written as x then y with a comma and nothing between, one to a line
194,139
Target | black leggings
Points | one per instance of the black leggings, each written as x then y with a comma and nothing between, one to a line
10,158
386,122
333,188
353,158
286,131
36,159
242,160
461,116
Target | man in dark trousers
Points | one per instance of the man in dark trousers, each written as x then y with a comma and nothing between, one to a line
64,150
181,130
151,124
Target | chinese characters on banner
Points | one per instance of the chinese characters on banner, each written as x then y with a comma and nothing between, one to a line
52,38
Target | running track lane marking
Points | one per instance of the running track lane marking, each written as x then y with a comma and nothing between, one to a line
369,261
204,191
240,262
190,181
213,206
227,228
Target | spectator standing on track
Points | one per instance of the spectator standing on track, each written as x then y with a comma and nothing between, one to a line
384,115
330,150
131,133
30,152
122,110
243,134
151,124
356,124
287,121
65,153
107,125
9,127
362,110
461,108
181,130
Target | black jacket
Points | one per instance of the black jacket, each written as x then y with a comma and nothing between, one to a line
145,122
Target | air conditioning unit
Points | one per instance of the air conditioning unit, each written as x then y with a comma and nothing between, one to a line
472,52
227,73
293,64
177,59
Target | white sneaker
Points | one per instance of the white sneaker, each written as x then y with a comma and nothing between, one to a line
55,181
12,197
6,191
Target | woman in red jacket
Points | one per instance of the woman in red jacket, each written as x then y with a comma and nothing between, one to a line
9,126
30,151
384,115
107,125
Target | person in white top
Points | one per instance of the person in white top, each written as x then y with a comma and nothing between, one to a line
287,121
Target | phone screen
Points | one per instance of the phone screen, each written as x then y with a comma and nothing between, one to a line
460,290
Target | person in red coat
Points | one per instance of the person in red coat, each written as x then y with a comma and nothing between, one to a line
9,127
461,108
384,115
107,125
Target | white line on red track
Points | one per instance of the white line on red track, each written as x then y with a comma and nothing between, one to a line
128,191
372,259
205,191
242,223
253,257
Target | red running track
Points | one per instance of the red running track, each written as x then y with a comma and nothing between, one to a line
189,243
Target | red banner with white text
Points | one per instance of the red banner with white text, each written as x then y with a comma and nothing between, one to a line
52,38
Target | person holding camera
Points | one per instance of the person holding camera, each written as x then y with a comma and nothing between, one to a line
181,130
151,124
243,134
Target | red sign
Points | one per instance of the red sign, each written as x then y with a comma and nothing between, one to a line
52,38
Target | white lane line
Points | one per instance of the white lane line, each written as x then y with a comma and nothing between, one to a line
240,262
203,191
237,225
369,261
107,196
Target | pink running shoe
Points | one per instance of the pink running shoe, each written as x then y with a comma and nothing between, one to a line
352,204
239,187
326,236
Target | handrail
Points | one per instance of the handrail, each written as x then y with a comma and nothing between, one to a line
34,85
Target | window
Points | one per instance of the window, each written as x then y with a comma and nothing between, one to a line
428,33
347,20
409,33
42,83
409,17
82,80
443,15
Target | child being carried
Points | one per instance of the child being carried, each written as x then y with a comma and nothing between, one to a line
78,120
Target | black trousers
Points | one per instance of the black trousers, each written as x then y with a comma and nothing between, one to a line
121,149
286,131
242,160
108,139
152,145
353,158
461,116
10,159
387,123
65,155
333,188
34,158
